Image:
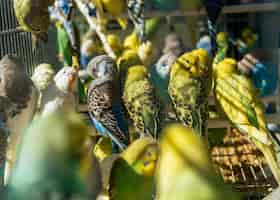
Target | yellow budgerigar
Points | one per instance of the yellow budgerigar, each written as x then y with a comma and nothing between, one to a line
33,17
131,175
238,98
189,87
145,50
114,8
184,169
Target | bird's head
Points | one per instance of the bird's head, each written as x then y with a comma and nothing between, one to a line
102,66
43,76
222,38
115,43
132,42
129,58
227,67
66,79
142,155
188,61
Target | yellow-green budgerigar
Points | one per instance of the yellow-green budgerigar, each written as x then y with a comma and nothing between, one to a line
222,41
33,17
189,87
127,59
184,168
55,161
114,8
237,96
140,101
145,50
115,43
131,175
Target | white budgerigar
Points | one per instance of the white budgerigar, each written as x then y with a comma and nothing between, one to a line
61,93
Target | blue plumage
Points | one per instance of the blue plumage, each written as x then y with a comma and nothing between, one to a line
104,102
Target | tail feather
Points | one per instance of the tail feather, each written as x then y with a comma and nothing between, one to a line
270,156
103,131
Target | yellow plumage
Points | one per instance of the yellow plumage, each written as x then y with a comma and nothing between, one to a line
184,169
238,98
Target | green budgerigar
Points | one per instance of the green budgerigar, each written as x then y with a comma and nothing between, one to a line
33,17
184,169
140,101
55,161
131,175
238,98
189,87
222,41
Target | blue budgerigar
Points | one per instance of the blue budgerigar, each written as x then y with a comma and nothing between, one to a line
104,102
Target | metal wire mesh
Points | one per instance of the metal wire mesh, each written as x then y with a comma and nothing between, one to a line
16,42
243,166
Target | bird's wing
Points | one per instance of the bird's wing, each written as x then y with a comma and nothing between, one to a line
100,103
240,101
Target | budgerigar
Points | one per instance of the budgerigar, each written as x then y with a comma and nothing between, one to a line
115,8
61,93
140,101
115,43
19,97
173,48
222,41
145,50
136,13
65,50
61,12
33,16
127,59
190,79
184,168
160,78
59,164
42,78
104,101
132,173
91,46
237,96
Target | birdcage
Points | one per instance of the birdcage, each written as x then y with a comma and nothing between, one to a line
242,166
14,41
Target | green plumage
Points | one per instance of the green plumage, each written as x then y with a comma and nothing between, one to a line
238,98
140,101
131,175
183,176
189,86
130,185
64,46
33,16
59,165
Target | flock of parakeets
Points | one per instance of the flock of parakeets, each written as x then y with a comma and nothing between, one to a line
145,139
